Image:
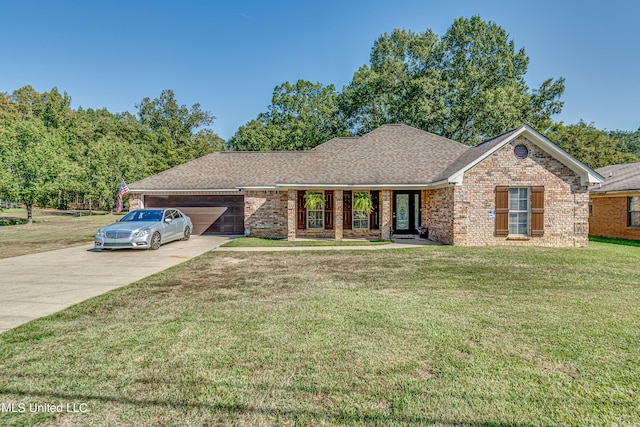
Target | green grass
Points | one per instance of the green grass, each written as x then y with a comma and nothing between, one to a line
437,335
248,242
50,232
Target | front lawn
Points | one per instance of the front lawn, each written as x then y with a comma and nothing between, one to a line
50,232
427,336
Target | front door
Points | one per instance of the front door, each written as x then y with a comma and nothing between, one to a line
406,212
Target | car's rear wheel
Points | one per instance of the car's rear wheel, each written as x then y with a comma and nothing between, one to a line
187,233
155,241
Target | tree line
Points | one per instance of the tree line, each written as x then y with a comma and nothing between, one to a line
53,155
468,85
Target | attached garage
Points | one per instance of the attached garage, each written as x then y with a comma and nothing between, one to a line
210,214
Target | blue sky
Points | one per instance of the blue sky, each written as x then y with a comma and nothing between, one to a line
228,56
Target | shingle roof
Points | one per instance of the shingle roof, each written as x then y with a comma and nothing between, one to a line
624,177
391,154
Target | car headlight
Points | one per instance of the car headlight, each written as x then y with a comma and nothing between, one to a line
101,233
141,233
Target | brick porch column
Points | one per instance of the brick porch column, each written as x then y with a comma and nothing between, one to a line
385,209
292,207
339,217
135,201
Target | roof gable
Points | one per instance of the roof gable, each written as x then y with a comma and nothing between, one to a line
455,172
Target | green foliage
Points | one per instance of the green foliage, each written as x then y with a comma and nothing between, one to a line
362,202
314,200
52,155
467,85
301,116
32,159
627,141
593,147
175,128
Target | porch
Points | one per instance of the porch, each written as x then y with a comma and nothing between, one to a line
391,212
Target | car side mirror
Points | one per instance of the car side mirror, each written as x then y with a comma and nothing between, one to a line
167,220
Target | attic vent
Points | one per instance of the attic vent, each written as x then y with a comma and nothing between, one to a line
521,151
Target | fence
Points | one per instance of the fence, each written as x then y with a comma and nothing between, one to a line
5,204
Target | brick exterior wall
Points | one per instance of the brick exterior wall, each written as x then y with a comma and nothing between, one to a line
266,213
566,206
456,215
609,218
135,201
437,214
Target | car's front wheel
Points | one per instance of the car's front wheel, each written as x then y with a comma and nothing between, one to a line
155,241
187,233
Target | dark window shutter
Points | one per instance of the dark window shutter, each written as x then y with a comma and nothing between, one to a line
328,210
375,212
302,211
537,211
502,211
346,210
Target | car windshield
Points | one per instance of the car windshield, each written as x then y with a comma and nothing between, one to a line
143,215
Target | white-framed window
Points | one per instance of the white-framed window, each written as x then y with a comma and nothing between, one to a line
360,218
315,217
519,211
633,203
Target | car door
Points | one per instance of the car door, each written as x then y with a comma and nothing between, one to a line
180,224
169,225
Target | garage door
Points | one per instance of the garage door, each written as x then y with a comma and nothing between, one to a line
209,214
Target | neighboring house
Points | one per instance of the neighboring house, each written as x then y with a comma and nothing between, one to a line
615,203
516,189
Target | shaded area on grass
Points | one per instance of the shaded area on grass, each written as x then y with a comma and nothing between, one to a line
247,242
444,336
614,241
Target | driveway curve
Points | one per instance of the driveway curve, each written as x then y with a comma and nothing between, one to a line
40,284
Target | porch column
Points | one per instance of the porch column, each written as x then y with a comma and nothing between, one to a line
385,209
338,217
292,206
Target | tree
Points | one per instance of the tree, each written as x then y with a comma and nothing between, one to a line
628,140
467,85
590,145
32,160
301,116
176,127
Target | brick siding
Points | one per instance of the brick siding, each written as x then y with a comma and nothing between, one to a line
565,199
457,215
437,214
265,213
609,218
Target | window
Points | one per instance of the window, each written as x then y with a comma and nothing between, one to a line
315,210
360,216
519,211
315,219
360,220
521,151
633,203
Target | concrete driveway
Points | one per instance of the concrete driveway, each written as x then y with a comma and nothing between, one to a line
37,285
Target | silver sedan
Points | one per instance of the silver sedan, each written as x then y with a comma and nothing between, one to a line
143,229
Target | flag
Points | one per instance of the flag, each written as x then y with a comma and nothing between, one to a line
123,190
